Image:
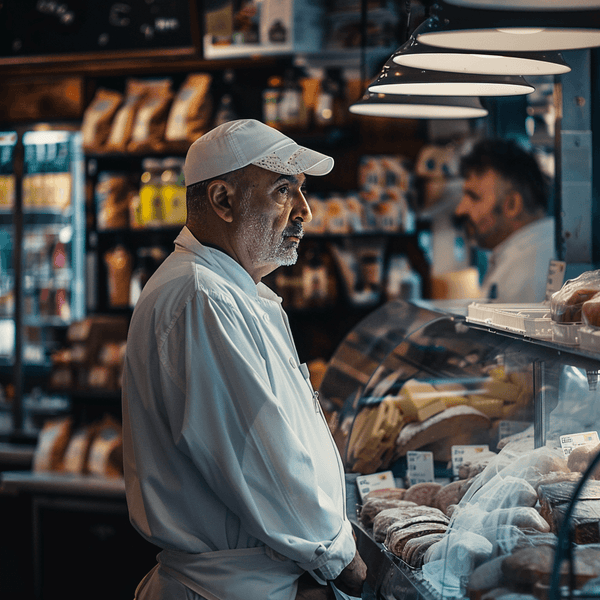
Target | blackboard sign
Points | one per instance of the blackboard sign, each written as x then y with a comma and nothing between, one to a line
54,27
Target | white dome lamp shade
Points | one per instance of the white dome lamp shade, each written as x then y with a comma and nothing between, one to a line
394,79
416,55
512,26
418,107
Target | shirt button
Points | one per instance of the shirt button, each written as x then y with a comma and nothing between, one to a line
292,362
266,317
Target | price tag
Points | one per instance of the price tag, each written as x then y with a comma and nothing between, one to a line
420,467
464,454
556,277
506,428
376,481
573,440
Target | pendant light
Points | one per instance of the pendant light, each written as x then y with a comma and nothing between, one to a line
416,55
395,79
528,4
418,107
500,26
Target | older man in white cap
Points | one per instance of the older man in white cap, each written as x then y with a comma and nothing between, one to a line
229,465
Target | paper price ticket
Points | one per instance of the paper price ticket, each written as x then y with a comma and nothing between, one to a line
376,481
464,454
573,440
420,467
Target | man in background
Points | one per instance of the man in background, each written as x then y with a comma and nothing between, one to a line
504,209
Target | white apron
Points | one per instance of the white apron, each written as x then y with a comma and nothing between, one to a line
225,574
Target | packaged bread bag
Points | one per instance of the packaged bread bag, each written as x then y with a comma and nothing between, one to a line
567,304
78,449
122,125
98,118
147,134
106,452
191,111
52,444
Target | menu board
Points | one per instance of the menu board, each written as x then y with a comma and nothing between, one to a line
54,27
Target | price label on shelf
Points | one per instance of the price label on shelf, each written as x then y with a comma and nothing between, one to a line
573,440
556,277
376,481
464,454
420,467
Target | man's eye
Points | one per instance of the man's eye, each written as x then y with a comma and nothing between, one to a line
284,191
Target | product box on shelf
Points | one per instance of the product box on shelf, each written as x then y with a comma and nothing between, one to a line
271,27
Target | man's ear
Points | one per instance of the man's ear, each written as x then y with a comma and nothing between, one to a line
219,196
513,204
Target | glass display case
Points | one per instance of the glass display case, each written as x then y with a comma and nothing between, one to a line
42,253
53,235
414,380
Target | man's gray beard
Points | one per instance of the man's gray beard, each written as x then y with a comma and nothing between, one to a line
257,234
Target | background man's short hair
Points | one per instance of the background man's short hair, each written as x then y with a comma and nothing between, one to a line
515,165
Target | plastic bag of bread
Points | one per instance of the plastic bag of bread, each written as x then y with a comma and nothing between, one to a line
106,452
98,118
190,112
52,444
148,131
113,195
566,305
78,449
122,125
590,311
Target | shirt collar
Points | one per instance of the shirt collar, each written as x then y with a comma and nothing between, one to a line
523,238
220,262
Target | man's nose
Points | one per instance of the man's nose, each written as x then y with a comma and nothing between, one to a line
302,210
461,207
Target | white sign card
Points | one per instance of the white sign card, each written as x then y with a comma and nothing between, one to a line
556,277
375,481
573,440
464,454
420,467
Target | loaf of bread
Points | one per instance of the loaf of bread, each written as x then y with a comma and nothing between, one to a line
557,477
566,304
374,505
415,548
398,517
428,518
448,495
488,575
534,566
581,457
398,538
523,517
452,422
505,492
423,493
590,311
585,518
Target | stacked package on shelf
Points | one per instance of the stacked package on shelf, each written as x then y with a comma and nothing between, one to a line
149,116
575,312
386,187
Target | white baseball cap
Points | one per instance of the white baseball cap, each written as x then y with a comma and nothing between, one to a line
237,144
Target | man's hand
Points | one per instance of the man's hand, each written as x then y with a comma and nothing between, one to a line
351,579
